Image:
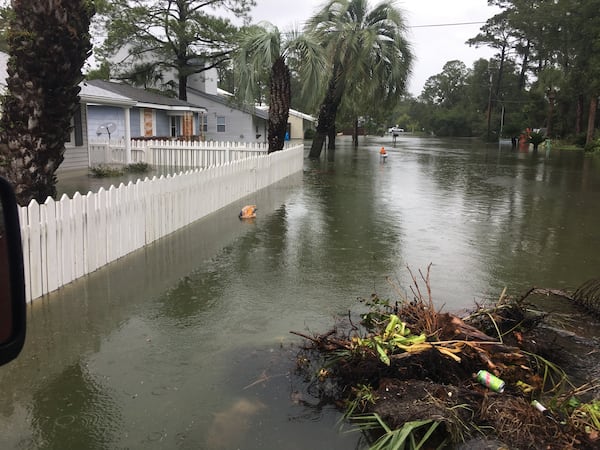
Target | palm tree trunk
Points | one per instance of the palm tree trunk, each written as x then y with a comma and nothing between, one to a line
279,104
331,135
326,121
47,52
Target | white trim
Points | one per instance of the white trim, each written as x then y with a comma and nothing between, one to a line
170,107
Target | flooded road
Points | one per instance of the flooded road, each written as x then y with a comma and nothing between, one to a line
186,345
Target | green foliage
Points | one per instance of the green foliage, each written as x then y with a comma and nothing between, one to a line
186,36
363,396
101,73
593,146
411,436
105,171
5,17
139,167
264,53
309,133
535,138
369,60
587,416
396,337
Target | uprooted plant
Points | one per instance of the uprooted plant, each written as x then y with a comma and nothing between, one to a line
407,375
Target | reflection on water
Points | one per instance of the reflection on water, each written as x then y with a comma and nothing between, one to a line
186,344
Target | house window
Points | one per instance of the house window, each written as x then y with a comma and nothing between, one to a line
220,124
203,123
173,126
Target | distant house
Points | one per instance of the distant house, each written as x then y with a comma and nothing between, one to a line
226,119
116,111
76,156
230,121
298,122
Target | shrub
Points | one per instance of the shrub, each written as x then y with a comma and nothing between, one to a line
105,171
139,167
593,146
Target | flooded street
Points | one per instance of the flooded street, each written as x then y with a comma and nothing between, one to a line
185,344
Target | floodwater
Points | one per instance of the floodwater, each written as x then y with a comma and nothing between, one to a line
186,344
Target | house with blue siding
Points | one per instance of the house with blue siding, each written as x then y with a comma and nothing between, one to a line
152,116
76,156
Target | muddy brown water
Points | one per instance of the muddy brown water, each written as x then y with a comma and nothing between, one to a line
186,345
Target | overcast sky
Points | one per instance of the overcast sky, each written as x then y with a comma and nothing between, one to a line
432,46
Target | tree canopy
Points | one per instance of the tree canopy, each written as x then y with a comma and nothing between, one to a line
166,41
543,73
367,50
265,52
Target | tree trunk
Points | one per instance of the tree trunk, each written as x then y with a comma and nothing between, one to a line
331,135
49,43
355,133
579,115
326,117
524,66
183,87
551,99
326,120
591,119
279,104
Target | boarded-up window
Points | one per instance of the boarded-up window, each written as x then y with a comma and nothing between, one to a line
148,123
188,125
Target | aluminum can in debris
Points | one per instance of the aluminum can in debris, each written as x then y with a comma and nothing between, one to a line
537,405
490,381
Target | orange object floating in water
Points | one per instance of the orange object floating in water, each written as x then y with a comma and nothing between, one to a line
383,154
248,212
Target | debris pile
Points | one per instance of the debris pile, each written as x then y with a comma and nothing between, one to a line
409,374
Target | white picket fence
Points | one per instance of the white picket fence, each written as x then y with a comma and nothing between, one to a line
178,155
67,239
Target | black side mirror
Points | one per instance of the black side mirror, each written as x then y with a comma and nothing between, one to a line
12,284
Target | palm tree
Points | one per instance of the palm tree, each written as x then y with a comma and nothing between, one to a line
48,44
264,48
366,48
